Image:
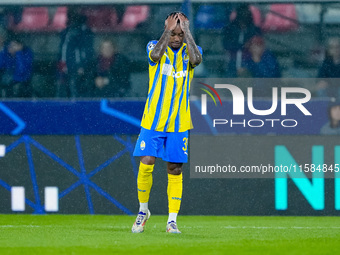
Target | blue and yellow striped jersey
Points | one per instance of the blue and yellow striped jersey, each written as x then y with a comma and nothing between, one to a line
167,107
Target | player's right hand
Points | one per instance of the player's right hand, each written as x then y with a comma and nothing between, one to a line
171,22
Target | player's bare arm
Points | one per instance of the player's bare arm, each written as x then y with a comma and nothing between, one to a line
170,25
195,56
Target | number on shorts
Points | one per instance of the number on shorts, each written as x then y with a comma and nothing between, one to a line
185,140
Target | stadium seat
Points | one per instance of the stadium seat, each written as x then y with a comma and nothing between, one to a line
281,18
133,16
59,19
256,15
101,19
33,19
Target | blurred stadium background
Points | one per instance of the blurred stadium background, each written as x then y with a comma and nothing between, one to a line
295,32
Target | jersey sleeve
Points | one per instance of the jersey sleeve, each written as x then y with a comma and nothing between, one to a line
200,49
149,48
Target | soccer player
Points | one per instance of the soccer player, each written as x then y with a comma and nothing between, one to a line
166,118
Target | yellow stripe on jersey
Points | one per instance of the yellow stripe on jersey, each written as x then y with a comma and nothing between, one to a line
167,107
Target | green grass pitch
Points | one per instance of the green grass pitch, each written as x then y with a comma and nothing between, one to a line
84,234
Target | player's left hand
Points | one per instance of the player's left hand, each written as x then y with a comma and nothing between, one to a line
184,22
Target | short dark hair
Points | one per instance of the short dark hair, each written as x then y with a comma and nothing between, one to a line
176,12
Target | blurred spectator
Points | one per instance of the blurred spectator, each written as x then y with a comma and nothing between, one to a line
236,34
76,53
257,61
16,62
330,68
332,127
112,73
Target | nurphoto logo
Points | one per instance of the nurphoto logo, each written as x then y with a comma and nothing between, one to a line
238,105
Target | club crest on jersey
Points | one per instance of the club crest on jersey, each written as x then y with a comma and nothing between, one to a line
185,57
142,145
151,46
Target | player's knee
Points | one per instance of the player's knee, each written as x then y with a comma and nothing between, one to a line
148,160
174,169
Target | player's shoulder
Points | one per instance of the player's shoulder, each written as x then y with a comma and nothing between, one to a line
151,45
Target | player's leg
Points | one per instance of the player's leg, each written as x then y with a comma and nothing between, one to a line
175,153
148,147
144,184
144,181
175,188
